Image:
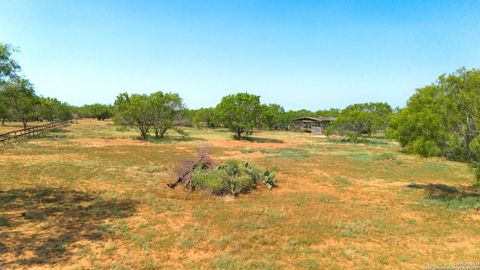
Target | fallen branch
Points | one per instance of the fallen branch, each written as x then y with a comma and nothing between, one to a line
204,162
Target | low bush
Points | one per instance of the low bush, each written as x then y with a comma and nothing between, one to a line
231,177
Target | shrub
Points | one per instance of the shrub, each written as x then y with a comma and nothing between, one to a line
210,180
231,177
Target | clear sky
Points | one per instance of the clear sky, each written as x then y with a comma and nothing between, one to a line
298,53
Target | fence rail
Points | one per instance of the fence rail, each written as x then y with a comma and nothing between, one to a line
29,132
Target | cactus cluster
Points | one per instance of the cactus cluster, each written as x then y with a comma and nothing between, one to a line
232,177
229,177
268,179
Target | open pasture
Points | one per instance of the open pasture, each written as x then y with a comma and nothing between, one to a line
93,196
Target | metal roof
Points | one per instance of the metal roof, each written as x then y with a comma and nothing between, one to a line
315,119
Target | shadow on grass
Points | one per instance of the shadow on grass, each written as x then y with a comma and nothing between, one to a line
41,225
462,197
257,139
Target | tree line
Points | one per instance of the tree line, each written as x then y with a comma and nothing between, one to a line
242,113
267,116
20,103
18,100
158,112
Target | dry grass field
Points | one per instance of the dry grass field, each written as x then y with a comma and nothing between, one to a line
92,196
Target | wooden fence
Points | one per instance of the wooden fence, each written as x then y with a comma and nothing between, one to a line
28,132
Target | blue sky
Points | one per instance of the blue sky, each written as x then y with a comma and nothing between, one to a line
300,54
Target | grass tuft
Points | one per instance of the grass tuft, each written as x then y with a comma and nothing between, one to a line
4,222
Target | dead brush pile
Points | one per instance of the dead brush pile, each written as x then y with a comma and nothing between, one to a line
230,177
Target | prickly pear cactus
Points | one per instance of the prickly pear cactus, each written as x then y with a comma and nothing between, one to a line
269,179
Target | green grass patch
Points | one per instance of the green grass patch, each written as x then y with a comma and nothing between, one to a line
326,198
464,203
461,198
4,222
372,157
360,141
350,230
283,153
342,180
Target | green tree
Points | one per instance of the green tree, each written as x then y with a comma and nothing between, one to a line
328,113
239,112
8,71
134,111
420,126
166,109
4,107
381,114
52,109
462,102
352,122
272,116
99,111
205,117
365,118
442,118
18,100
186,118
157,112
22,101
8,66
